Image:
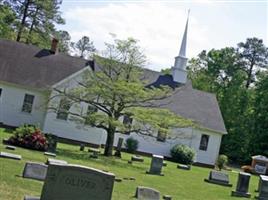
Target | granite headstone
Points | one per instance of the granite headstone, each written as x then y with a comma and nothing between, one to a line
218,177
33,170
71,182
263,188
242,185
146,193
156,165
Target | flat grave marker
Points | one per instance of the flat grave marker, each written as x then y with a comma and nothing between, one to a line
10,156
9,147
50,154
56,161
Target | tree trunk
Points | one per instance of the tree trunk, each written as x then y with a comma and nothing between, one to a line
23,20
32,25
109,141
250,74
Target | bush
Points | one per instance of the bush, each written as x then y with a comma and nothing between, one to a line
131,145
182,154
222,161
30,137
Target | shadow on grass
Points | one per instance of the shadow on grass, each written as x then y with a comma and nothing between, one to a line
84,156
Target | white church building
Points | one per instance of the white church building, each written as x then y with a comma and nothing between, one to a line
28,75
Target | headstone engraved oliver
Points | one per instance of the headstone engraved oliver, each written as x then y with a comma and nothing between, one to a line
219,178
156,165
263,188
242,185
146,193
71,182
37,171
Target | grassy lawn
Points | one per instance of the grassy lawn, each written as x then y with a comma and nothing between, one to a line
178,183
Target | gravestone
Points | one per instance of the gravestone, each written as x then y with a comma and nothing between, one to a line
156,165
37,171
9,147
185,167
146,193
137,158
52,143
219,178
119,147
56,161
263,188
94,150
164,163
10,156
71,182
242,185
50,154
82,147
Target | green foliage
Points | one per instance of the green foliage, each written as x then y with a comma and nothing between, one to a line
131,144
30,137
222,161
116,90
182,154
7,19
230,74
84,46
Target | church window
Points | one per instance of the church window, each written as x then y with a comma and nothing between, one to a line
204,142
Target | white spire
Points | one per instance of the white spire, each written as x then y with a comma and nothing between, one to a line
184,39
179,72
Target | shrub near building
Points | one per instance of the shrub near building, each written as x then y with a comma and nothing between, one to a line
29,137
182,154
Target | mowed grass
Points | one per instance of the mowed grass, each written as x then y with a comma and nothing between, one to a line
178,183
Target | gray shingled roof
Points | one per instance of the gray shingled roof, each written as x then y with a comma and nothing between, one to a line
31,66
199,106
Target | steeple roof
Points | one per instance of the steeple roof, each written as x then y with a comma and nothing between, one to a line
184,39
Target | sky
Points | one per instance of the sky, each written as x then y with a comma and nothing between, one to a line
158,25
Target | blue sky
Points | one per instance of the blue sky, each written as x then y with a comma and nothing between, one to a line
159,25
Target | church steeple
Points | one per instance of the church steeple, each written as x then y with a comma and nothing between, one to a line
179,72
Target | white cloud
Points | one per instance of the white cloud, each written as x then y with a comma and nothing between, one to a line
159,28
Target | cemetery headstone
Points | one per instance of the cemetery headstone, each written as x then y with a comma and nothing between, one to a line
219,178
185,167
50,154
137,158
56,161
242,185
119,147
146,193
263,188
82,147
52,143
156,165
9,147
10,156
71,182
37,171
